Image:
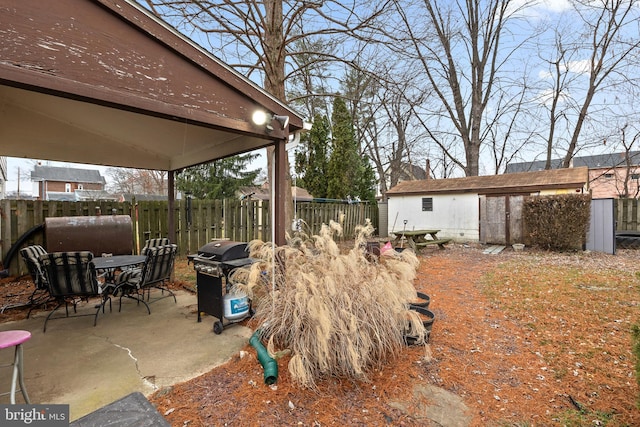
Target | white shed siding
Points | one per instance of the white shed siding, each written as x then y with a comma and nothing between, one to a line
455,215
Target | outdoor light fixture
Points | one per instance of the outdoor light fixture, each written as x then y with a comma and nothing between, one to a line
283,120
259,117
262,118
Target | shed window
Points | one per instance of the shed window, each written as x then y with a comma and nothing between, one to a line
427,204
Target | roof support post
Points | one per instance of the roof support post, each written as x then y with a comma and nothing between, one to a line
171,202
280,186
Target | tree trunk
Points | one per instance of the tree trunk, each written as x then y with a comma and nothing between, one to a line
274,84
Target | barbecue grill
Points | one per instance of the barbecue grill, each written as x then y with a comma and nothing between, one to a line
213,263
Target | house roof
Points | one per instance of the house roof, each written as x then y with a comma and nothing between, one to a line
89,195
599,161
61,196
263,193
523,182
128,197
64,174
105,82
611,160
538,165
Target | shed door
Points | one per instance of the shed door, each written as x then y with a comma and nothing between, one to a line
492,220
501,219
602,228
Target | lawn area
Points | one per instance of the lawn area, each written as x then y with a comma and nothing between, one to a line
524,339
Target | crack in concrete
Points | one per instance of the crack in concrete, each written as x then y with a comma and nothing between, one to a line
145,380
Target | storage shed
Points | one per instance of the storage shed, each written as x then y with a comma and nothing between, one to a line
484,209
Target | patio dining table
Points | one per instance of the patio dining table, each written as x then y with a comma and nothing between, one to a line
109,264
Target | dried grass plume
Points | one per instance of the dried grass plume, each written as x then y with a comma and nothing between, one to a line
340,314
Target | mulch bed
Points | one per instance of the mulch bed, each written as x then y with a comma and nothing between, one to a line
528,338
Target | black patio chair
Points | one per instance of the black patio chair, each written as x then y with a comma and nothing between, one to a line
155,271
40,295
158,241
72,278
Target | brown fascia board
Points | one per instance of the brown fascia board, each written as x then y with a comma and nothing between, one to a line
519,183
71,89
488,190
140,17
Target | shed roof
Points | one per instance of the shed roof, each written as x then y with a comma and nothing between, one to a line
62,174
523,182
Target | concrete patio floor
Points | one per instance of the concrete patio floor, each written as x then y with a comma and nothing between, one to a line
89,367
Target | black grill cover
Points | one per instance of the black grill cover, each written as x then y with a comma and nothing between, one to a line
224,250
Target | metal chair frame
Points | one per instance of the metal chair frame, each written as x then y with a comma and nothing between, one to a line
155,271
40,295
72,278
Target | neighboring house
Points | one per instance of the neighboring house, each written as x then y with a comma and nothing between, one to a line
91,195
60,183
407,172
608,173
477,208
129,197
263,193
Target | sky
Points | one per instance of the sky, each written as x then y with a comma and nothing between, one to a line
16,166
23,167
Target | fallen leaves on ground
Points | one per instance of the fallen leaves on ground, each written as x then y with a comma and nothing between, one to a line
527,338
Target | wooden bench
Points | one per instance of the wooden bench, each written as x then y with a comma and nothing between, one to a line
439,242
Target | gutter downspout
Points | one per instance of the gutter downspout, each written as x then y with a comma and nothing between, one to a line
269,365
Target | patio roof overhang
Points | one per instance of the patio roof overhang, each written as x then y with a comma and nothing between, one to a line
53,127
105,82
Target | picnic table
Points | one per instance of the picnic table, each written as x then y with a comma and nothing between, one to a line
416,239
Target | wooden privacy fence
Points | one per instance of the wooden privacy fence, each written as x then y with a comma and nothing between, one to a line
197,222
627,214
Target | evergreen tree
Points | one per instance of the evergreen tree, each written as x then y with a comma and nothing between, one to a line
367,181
344,159
311,161
217,180
349,174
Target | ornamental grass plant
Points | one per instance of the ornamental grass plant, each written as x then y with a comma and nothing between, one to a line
339,314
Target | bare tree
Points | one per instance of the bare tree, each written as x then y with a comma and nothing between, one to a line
505,136
137,181
268,39
459,48
610,40
554,95
382,99
629,136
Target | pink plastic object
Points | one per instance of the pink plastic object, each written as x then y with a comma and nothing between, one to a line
15,339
